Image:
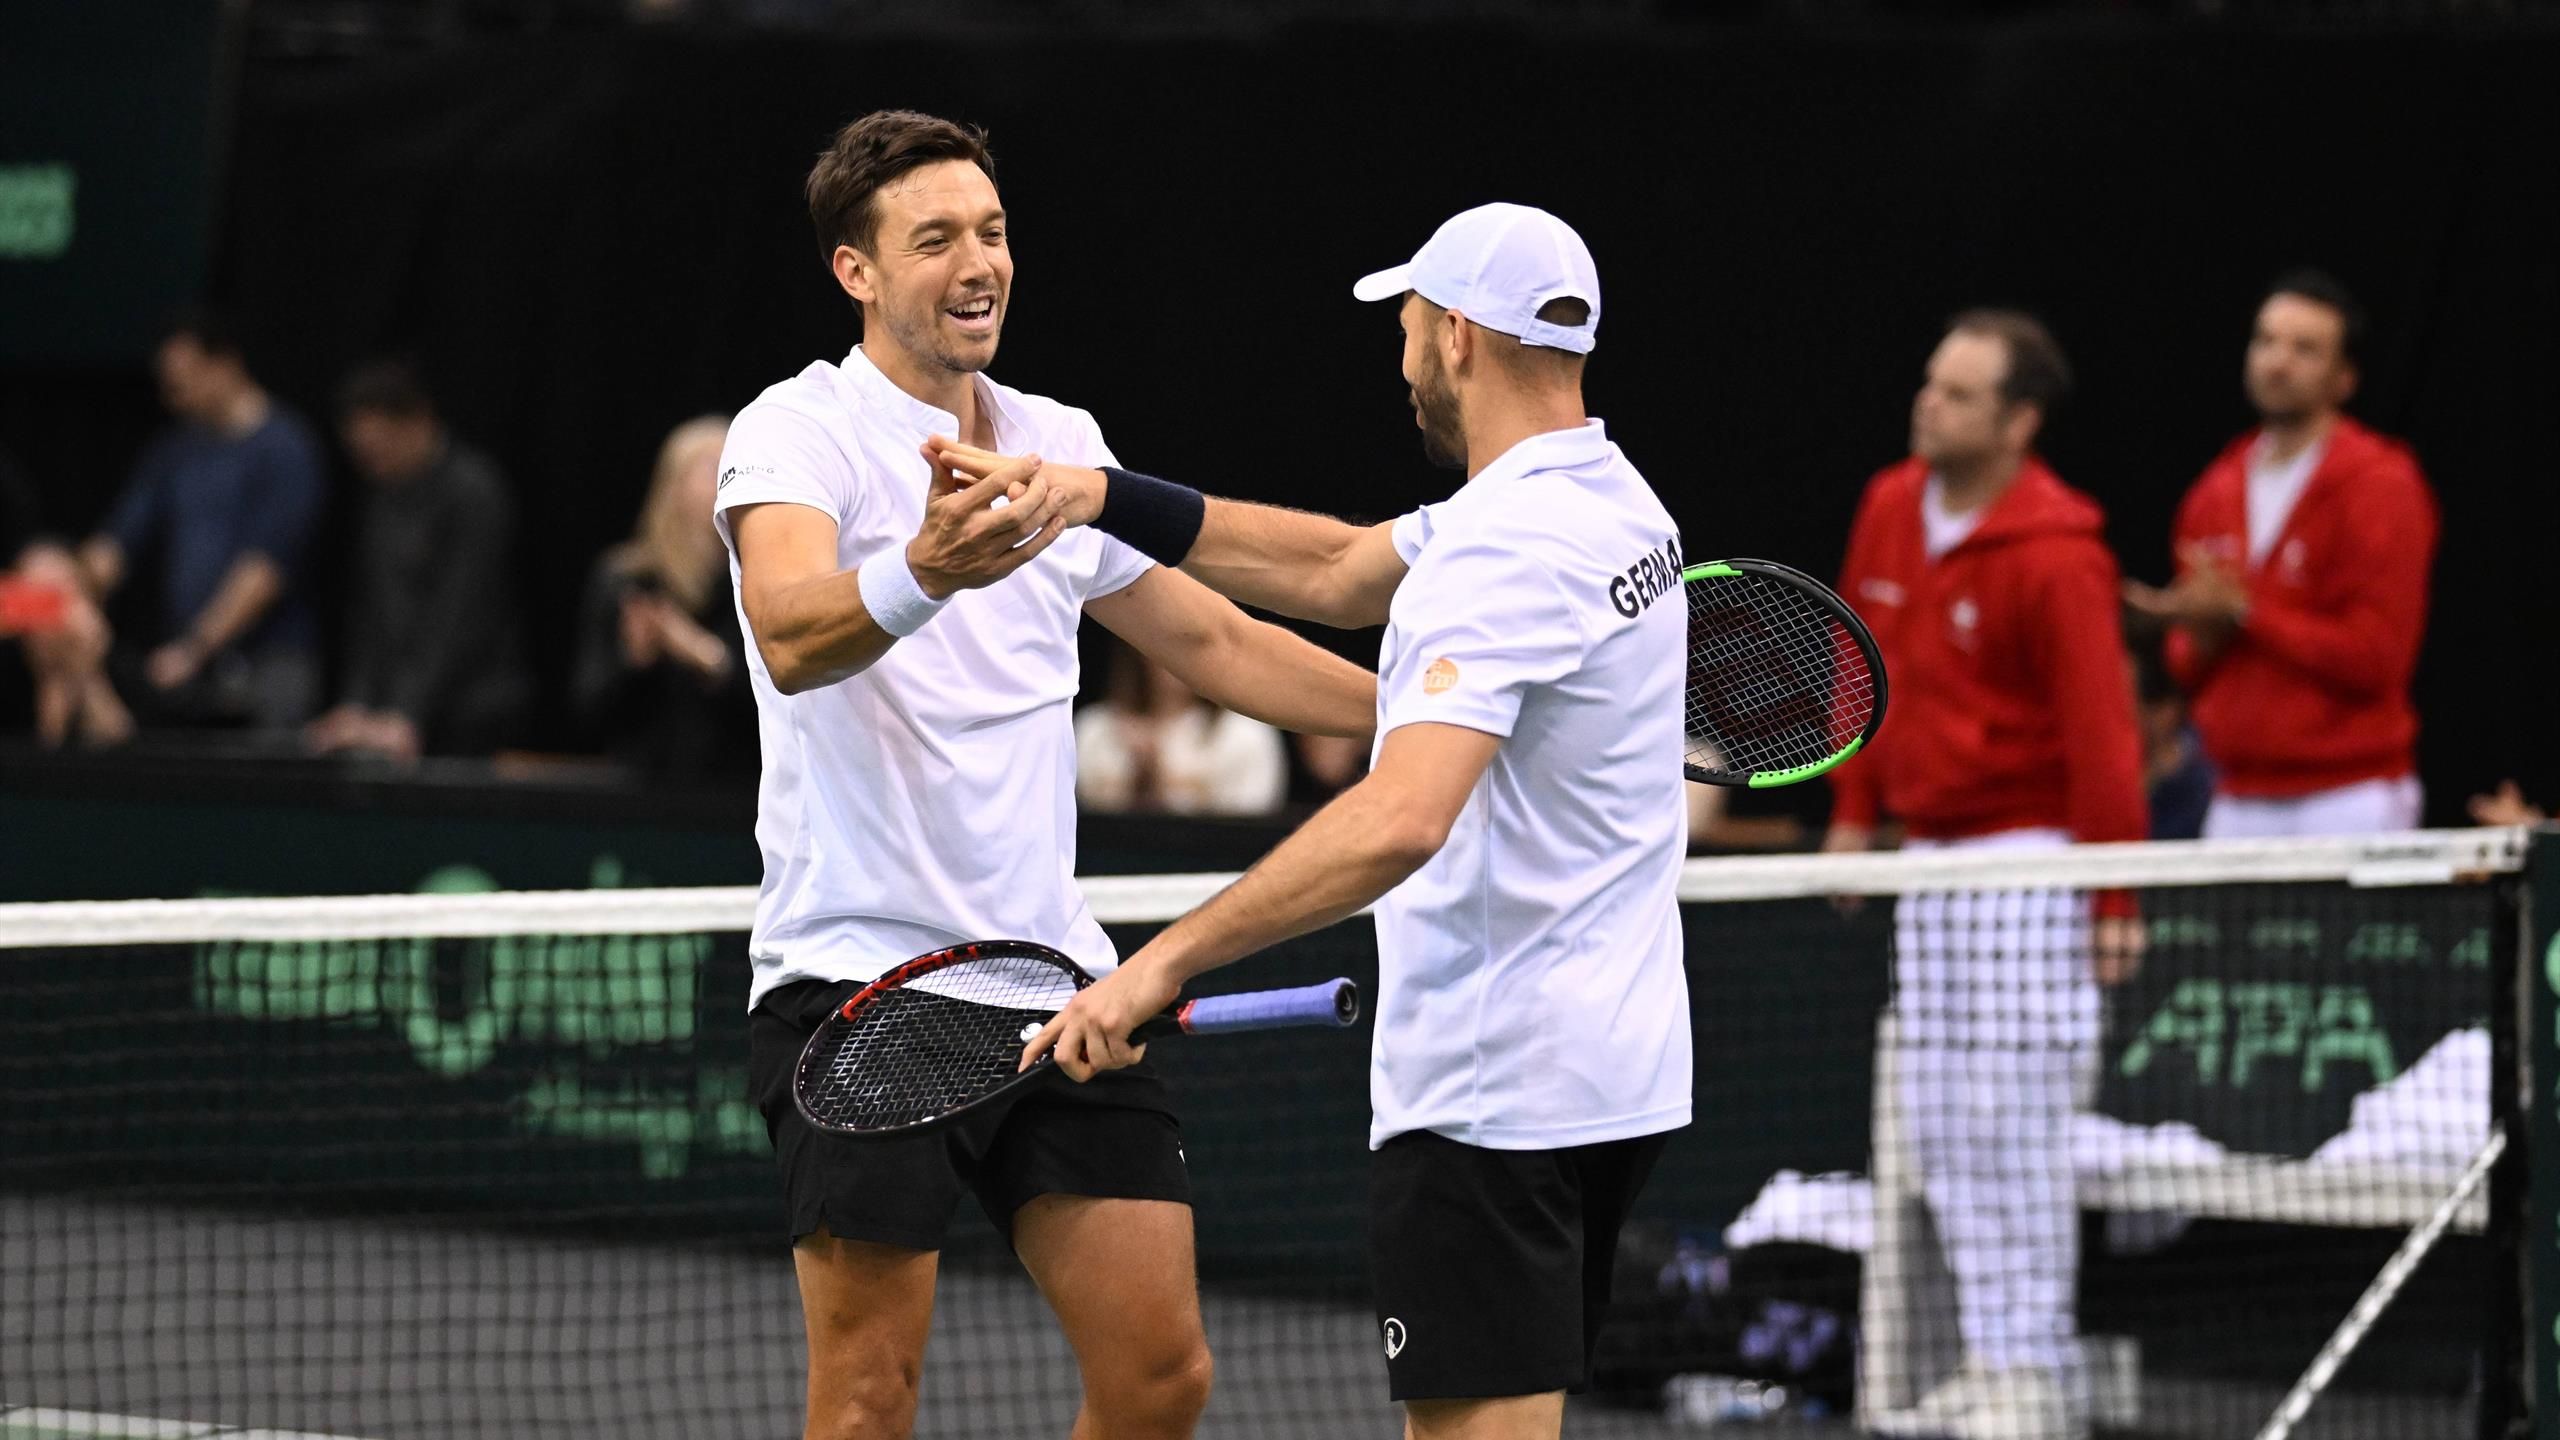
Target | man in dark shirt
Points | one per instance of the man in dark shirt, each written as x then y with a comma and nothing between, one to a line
432,662
227,501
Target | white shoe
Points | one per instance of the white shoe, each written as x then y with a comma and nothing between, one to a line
1979,1403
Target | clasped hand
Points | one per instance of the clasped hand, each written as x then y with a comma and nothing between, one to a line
968,540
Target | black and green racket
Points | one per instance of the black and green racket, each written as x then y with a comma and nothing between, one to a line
1784,680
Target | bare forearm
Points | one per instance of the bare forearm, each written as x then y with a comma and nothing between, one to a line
247,592
1356,849
1282,679
1281,560
817,632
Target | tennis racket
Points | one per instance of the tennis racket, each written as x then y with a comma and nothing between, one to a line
941,1035
1784,680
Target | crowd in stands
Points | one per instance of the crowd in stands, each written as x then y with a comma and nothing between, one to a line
2266,683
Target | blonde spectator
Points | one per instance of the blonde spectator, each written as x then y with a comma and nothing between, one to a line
1151,744
661,675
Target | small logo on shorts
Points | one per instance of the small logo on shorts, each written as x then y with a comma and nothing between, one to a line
1441,677
1395,1337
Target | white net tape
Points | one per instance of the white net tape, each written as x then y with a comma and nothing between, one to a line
2425,857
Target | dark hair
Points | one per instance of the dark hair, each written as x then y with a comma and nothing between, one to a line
386,387
2322,288
2038,374
868,154
209,328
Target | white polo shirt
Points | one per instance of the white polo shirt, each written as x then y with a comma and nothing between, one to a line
1531,995
929,800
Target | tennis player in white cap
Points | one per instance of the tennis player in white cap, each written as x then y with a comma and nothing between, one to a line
1520,830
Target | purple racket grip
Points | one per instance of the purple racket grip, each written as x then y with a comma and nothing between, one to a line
1335,1004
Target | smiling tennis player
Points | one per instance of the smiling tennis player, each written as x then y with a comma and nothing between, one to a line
914,658
1523,822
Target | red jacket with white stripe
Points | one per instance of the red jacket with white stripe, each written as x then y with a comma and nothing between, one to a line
2313,691
2010,703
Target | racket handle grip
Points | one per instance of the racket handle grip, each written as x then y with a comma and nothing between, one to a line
1335,1004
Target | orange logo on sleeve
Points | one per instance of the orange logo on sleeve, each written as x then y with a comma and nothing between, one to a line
1441,677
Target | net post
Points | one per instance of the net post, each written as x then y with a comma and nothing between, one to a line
2533,1407
2503,1379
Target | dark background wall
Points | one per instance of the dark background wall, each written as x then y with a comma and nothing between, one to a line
590,237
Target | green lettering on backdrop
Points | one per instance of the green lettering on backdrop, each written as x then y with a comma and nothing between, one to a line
2387,943
2346,1031
592,994
2245,1023
2271,1021
663,1125
36,213
2190,1020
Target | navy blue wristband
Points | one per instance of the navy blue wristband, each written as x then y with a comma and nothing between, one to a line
1156,518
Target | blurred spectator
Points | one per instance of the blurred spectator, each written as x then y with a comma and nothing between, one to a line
226,501
661,678
2506,806
44,604
2303,556
1993,598
2175,773
1328,765
64,638
433,658
28,606
1151,744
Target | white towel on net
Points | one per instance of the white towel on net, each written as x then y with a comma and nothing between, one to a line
2433,1116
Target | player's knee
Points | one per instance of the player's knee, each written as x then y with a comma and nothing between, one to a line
1163,1396
873,1403
1187,1387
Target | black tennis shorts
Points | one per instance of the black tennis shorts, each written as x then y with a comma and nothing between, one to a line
1492,1266
1114,1136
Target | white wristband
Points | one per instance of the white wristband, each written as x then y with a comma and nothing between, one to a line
897,603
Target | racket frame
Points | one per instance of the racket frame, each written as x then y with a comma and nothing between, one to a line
896,978
1343,999
1823,596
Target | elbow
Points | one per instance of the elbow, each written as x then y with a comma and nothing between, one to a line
792,672
1407,838
1342,606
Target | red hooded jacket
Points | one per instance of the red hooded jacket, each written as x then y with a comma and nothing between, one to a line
2313,691
2010,704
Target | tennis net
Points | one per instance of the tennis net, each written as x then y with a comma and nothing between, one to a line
482,1164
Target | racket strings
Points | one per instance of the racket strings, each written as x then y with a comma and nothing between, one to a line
1776,681
913,1053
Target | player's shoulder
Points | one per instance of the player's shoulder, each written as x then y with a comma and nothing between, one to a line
806,420
812,397
1593,528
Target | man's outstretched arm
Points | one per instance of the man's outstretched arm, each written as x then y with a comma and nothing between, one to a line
1250,666
1356,849
1290,562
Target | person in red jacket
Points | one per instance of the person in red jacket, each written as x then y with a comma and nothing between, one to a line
1994,600
2301,593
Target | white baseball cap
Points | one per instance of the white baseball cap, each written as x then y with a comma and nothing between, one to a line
1497,264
